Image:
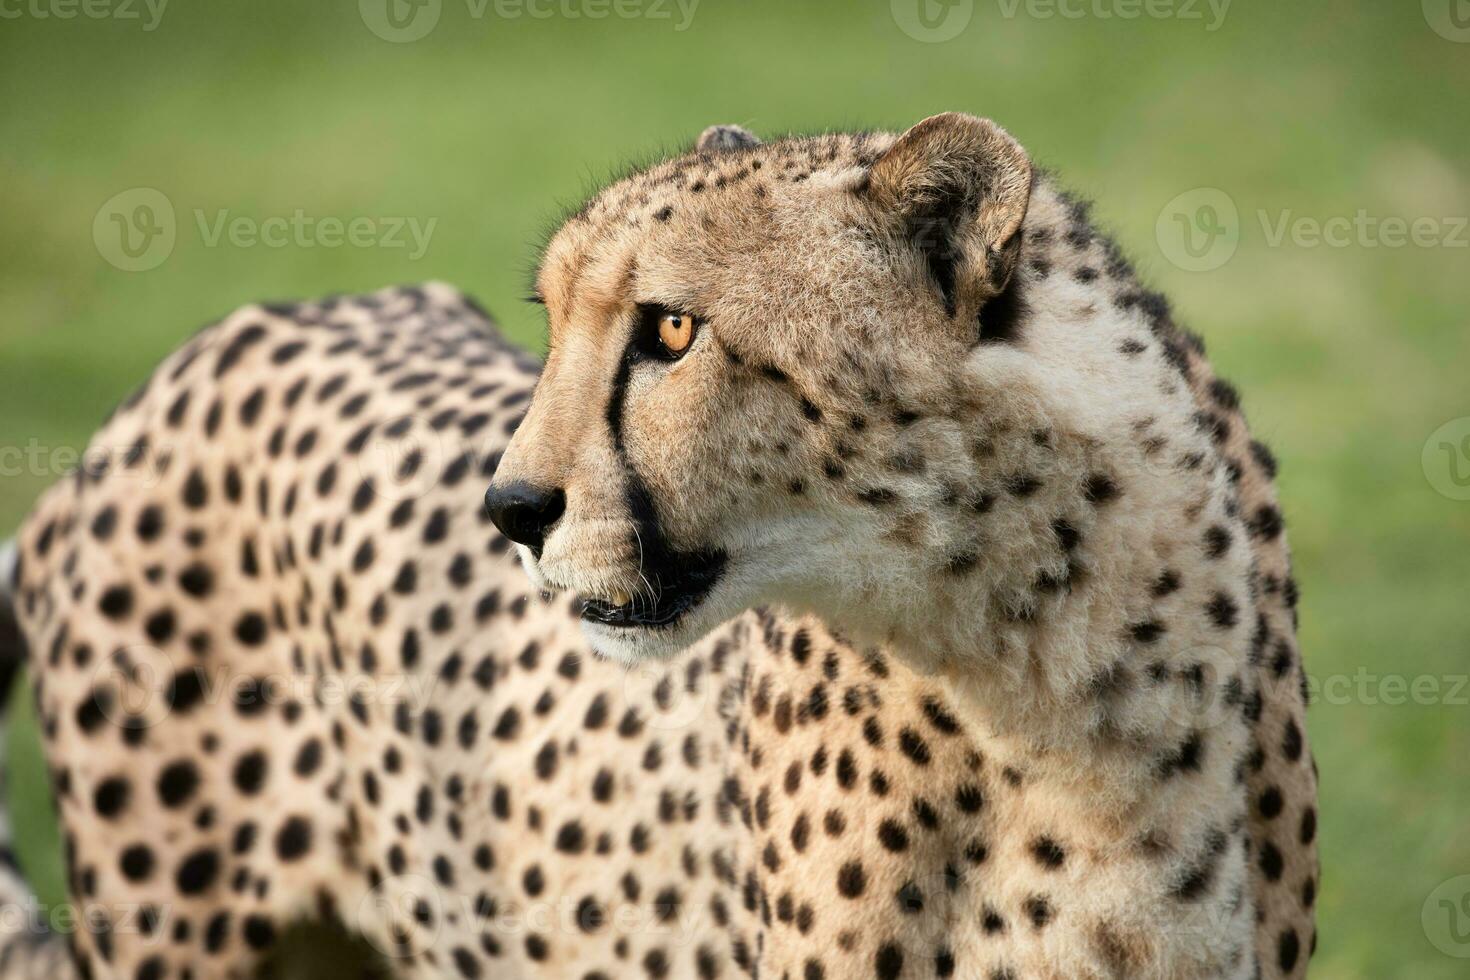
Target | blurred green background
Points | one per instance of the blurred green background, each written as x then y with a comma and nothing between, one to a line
1351,354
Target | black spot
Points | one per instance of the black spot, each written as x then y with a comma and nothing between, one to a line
1217,542
160,626
939,717
250,629
294,839
1067,536
197,580
914,746
196,492
111,797
136,863
1100,489
571,838
1288,948
1185,758
1266,524
1148,631
888,962
1264,458
198,871
259,933
1048,853
1308,831
910,898
309,758
250,772
177,783
104,523
1022,485
1223,611
1167,583
116,602
1291,741
892,836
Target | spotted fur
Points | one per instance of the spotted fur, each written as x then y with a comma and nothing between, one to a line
286,668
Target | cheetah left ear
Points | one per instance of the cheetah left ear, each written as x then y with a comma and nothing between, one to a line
958,187
717,139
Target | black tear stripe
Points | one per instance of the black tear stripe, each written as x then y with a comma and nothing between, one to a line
664,566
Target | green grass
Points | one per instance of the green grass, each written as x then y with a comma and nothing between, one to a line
1349,357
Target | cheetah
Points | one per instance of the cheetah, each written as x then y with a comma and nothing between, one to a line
878,583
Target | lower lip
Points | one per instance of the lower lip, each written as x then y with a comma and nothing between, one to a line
624,617
700,575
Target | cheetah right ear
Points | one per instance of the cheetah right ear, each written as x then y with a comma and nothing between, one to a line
958,187
718,139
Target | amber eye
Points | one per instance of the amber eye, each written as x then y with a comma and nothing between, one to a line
665,334
676,332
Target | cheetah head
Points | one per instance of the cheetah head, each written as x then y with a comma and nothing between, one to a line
761,385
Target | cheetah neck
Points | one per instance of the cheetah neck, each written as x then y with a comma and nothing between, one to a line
1080,561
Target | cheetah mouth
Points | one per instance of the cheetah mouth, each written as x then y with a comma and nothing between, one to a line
675,590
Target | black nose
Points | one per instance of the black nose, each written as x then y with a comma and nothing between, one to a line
524,513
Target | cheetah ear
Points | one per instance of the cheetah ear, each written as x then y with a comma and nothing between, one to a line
959,188
718,139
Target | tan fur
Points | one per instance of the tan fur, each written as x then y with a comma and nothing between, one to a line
892,475
920,764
